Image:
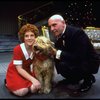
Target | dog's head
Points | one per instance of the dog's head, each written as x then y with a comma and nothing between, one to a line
43,46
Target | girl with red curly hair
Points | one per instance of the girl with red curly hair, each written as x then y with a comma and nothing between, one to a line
19,78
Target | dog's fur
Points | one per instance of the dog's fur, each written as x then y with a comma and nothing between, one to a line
43,64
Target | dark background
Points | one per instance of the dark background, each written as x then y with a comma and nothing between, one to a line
10,10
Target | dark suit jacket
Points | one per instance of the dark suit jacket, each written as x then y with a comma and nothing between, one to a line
77,52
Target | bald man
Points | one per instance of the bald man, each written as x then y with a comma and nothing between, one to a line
75,56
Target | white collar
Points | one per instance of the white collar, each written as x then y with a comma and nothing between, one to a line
22,45
64,29
62,32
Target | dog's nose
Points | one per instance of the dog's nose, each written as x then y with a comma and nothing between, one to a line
35,47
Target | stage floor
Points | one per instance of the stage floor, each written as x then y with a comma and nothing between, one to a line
56,93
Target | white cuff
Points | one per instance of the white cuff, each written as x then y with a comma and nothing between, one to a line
58,54
17,62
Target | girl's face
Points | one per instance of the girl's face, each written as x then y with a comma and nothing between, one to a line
29,38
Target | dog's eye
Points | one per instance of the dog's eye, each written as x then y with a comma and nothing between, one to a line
43,42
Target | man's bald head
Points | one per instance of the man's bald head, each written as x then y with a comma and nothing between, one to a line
56,16
56,24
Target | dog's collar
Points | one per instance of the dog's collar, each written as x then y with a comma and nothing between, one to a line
41,57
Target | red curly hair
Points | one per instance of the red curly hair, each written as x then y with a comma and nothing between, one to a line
25,28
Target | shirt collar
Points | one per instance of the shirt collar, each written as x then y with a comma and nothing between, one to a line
22,45
62,32
64,29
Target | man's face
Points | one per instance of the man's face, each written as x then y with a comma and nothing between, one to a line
56,26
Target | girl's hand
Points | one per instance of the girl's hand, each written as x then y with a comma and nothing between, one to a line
36,84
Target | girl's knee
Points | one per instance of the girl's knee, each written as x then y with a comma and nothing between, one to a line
21,92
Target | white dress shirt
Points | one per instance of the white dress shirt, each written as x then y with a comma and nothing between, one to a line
58,53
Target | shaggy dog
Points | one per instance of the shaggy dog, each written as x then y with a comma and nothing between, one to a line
43,64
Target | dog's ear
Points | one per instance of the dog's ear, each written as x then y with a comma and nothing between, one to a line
52,51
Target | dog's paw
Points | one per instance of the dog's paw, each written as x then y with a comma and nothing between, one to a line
40,91
47,91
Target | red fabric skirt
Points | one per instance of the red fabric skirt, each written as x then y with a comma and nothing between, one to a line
15,81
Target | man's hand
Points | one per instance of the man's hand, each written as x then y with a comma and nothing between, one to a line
53,51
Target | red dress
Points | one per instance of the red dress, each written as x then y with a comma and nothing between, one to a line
14,79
